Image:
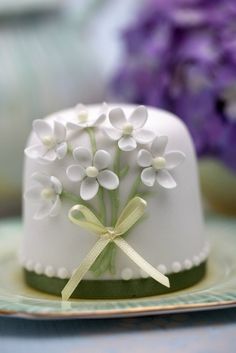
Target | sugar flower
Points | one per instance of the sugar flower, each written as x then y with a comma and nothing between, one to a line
82,118
157,163
52,141
92,172
46,192
129,132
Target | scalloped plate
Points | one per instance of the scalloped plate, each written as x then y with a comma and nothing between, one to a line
217,290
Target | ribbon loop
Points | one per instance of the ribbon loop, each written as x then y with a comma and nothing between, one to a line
130,215
84,217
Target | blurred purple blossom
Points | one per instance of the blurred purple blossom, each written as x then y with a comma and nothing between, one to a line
180,55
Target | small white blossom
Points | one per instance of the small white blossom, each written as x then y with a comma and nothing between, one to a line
92,172
52,141
83,119
157,163
46,192
129,132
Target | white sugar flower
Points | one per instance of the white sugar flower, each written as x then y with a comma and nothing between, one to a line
129,132
92,172
157,163
52,141
47,193
82,118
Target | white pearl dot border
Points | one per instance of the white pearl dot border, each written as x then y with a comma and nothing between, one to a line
126,273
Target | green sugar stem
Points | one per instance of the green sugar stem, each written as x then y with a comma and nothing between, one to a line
92,138
66,195
134,188
72,197
100,193
102,205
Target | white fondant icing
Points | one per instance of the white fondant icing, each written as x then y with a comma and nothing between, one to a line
196,260
49,271
143,274
38,268
126,274
188,264
62,273
176,267
202,255
162,268
172,230
29,265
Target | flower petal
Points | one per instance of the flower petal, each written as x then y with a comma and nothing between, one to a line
33,193
41,178
139,117
74,126
57,185
50,155
148,176
165,179
59,131
35,151
144,158
42,128
83,156
108,179
144,136
117,118
44,210
102,159
103,108
56,207
127,143
61,150
99,120
173,159
89,188
113,133
159,145
75,172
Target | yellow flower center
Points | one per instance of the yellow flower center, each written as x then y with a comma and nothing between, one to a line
49,141
83,116
47,193
159,163
92,172
128,129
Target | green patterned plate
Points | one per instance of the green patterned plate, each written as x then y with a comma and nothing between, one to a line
217,290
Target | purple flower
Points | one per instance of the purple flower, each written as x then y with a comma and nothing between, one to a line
181,56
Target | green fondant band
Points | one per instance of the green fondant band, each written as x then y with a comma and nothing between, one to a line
117,289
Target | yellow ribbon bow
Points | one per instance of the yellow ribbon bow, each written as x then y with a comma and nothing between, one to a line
128,217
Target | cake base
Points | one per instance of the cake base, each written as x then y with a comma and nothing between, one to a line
117,289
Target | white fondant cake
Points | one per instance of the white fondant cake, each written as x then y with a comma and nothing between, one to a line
103,156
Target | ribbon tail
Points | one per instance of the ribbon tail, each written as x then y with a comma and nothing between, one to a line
84,267
143,264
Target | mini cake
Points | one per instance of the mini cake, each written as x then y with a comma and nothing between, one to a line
111,204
